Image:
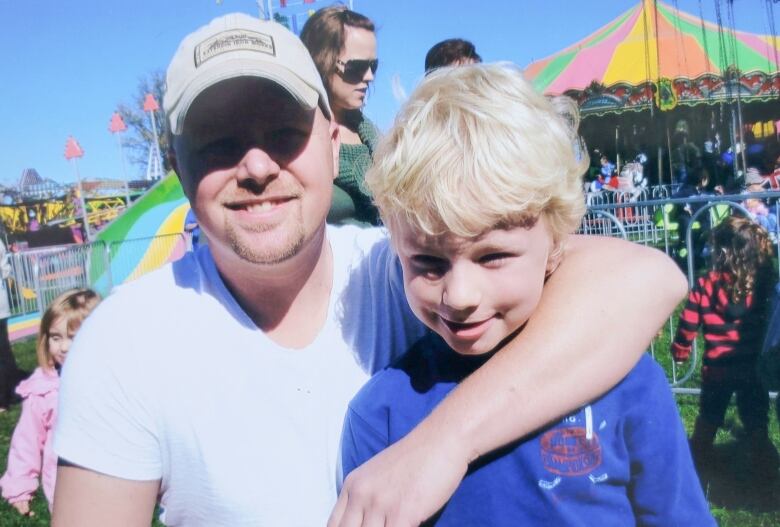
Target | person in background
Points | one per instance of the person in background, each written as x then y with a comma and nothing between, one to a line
604,175
685,155
697,185
342,44
711,151
730,304
773,179
192,228
607,172
497,204
31,455
755,151
32,224
451,52
758,208
10,374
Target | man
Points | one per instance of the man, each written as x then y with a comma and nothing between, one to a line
226,393
451,52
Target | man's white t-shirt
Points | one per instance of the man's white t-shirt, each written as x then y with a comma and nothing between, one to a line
169,379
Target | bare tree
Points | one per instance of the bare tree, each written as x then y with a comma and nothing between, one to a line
139,135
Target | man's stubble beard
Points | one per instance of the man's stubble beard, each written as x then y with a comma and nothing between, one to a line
274,253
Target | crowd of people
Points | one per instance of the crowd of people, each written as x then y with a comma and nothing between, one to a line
694,150
302,366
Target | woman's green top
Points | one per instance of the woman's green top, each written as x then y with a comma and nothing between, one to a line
351,200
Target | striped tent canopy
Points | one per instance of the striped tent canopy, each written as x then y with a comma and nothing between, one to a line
655,55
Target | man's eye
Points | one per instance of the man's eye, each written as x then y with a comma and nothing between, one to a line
286,142
222,153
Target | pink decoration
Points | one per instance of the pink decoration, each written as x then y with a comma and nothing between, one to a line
117,124
150,105
73,149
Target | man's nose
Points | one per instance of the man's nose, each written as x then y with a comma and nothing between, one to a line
257,165
461,291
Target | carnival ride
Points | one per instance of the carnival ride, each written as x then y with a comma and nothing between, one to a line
141,238
133,251
36,205
94,233
654,65
58,211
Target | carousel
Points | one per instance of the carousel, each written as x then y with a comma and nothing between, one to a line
657,74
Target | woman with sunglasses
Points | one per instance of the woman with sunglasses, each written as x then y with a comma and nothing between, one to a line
343,46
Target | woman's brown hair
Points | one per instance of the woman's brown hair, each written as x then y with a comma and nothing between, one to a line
323,36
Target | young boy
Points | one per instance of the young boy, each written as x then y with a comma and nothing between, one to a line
479,185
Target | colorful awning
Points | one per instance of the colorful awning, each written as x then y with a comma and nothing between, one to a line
654,41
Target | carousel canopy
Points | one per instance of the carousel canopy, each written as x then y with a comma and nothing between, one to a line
657,52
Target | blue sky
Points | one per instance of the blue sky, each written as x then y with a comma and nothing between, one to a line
67,64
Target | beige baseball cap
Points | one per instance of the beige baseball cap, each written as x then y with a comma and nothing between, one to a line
238,45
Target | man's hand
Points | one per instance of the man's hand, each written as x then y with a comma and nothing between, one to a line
22,507
401,486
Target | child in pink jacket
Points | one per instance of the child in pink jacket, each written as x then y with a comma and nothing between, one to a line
31,454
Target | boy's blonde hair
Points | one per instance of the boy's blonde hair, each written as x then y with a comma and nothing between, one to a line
74,306
477,148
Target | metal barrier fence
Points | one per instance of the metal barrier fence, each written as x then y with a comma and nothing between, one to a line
653,222
40,275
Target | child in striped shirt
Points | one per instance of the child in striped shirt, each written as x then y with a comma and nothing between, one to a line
730,304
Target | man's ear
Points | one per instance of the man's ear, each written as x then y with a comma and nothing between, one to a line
335,141
175,166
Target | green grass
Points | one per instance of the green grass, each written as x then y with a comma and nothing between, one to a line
736,499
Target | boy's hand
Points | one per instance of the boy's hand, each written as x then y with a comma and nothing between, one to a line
402,486
22,507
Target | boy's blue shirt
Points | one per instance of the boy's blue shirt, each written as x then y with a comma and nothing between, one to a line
620,460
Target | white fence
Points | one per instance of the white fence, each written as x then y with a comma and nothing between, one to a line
39,275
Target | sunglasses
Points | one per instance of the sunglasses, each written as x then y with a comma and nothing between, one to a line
355,69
